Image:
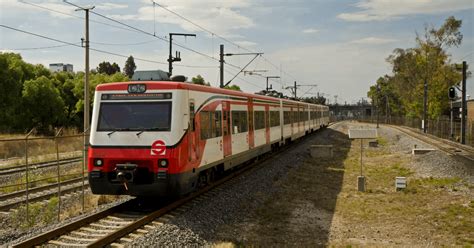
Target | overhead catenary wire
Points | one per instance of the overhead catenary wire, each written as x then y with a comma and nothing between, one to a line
134,29
71,15
96,50
224,39
37,48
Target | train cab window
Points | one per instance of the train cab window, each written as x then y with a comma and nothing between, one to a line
239,122
274,118
259,117
134,116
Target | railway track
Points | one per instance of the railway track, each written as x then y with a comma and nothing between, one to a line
119,225
17,198
22,168
447,146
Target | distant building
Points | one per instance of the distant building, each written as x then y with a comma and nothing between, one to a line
57,67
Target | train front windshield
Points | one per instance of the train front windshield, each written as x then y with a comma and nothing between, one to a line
134,116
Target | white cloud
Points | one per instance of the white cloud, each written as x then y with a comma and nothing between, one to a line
246,43
310,31
381,10
220,17
343,69
373,41
111,6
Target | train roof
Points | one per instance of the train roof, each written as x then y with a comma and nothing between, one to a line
170,85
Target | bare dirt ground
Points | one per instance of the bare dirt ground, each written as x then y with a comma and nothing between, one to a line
318,204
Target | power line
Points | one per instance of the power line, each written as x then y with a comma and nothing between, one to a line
122,44
37,48
93,49
71,15
221,37
134,29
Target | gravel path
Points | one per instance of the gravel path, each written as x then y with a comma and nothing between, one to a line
211,221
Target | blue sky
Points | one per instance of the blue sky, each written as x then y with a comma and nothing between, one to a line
339,45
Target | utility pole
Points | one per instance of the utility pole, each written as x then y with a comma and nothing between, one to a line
221,61
86,82
221,68
463,103
178,54
266,89
377,105
295,89
425,100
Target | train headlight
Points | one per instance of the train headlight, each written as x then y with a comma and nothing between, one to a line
98,162
163,163
136,88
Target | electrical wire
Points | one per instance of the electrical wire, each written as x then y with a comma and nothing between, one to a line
224,39
37,48
71,15
96,50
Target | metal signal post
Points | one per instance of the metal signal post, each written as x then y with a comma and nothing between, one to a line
178,55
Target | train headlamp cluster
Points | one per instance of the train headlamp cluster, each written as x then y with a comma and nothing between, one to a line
98,162
163,163
136,88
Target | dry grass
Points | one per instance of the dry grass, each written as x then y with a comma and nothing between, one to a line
38,147
318,204
41,213
430,211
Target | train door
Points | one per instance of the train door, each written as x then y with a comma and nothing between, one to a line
292,119
226,128
250,121
267,124
192,132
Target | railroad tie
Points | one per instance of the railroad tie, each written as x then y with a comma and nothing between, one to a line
62,244
126,240
77,239
87,234
119,223
117,245
103,226
87,229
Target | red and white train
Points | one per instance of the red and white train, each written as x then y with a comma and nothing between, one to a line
163,138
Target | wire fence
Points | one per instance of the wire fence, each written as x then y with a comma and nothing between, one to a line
441,127
28,163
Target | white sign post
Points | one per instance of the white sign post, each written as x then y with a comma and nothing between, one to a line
362,134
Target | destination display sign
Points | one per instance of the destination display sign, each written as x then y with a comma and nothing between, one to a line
141,96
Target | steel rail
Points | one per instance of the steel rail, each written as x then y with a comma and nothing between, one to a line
42,197
5,197
442,144
40,165
114,235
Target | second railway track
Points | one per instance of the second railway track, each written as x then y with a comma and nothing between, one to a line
15,199
447,146
22,168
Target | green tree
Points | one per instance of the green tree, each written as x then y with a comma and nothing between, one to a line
200,80
129,67
42,104
233,87
315,99
107,68
427,62
94,80
13,74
